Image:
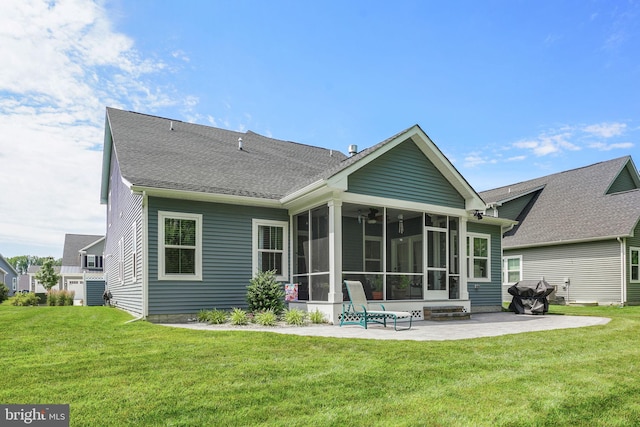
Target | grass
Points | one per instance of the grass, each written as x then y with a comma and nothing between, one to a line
114,373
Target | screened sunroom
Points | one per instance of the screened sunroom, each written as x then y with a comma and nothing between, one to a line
397,254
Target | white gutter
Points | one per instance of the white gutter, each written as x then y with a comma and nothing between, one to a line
206,197
563,242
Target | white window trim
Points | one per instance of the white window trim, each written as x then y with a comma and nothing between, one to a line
256,223
505,264
93,257
631,250
121,260
162,215
134,252
470,257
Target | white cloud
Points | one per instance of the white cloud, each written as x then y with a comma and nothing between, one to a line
516,158
62,64
548,144
606,130
608,147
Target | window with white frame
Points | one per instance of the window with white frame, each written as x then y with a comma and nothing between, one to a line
478,257
512,269
91,261
635,264
179,246
270,243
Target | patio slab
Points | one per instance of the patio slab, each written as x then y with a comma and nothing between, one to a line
480,325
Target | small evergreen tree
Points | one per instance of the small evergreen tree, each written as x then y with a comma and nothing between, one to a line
4,292
265,293
47,276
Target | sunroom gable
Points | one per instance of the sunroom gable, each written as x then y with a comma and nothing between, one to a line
405,173
408,166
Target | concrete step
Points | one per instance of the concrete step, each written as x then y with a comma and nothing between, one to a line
446,312
439,317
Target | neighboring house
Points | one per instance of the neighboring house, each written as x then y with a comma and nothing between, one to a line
23,283
35,286
193,212
578,229
8,275
82,266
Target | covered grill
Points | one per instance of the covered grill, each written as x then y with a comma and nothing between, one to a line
530,297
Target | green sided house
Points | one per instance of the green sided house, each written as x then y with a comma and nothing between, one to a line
579,230
193,212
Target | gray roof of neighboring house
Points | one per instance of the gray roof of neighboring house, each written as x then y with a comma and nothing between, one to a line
199,158
35,268
72,245
572,206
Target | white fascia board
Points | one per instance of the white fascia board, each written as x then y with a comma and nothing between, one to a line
361,199
206,197
303,192
107,152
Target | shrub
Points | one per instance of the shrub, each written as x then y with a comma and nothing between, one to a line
24,299
52,298
295,317
217,316
203,316
266,318
239,317
69,297
265,293
317,317
4,292
62,297
212,316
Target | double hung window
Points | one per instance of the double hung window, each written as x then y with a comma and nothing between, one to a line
180,246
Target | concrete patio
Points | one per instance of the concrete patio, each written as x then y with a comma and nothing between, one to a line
480,325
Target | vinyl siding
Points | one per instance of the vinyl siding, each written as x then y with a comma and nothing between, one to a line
487,295
226,257
623,182
593,269
633,289
406,174
126,208
512,209
9,275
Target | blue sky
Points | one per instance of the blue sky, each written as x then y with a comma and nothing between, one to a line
508,90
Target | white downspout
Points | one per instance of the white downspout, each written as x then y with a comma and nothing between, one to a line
623,271
145,254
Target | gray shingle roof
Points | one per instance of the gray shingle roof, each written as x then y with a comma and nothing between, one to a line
205,159
72,244
572,206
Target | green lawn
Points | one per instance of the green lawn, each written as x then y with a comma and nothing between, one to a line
114,373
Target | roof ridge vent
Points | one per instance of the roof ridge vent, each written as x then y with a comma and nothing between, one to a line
353,149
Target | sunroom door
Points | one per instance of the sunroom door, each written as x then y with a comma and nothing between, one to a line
437,283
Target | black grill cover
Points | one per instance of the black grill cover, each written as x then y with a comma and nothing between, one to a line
530,297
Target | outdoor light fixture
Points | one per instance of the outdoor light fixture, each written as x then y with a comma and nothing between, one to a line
478,214
401,224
